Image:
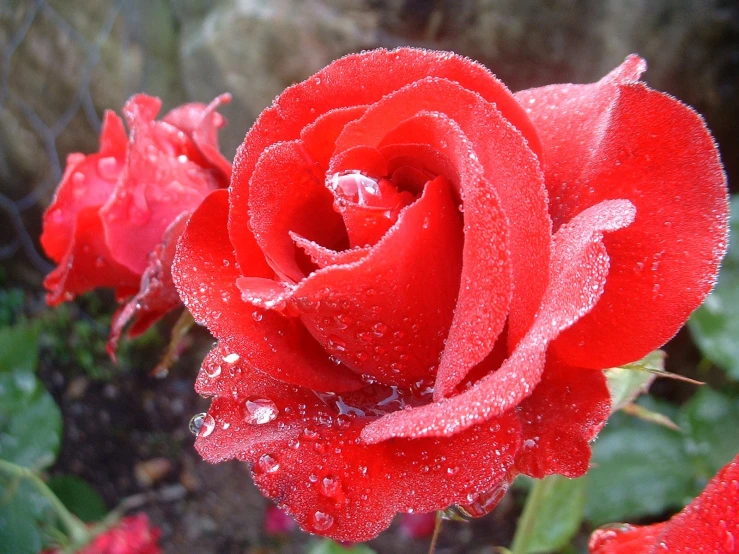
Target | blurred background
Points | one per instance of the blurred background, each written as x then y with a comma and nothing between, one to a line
124,435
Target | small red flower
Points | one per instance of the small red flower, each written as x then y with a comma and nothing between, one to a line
117,214
132,535
277,522
708,524
416,278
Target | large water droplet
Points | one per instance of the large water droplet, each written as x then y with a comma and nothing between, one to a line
202,425
322,521
331,487
482,503
355,187
258,411
267,464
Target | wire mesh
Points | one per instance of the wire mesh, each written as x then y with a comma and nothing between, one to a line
45,48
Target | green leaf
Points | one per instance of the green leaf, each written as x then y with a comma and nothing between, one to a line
560,514
715,325
709,422
25,517
327,546
19,348
30,421
79,497
638,469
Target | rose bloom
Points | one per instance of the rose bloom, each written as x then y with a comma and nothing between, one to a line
416,277
709,524
117,214
131,535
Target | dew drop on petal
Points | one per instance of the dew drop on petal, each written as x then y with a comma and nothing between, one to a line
202,425
322,521
108,168
258,411
267,464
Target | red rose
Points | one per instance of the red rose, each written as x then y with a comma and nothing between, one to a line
416,277
708,524
131,535
117,214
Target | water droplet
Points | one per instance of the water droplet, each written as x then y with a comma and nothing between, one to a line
336,343
108,168
202,425
231,358
213,371
331,487
259,411
322,521
256,315
267,464
355,187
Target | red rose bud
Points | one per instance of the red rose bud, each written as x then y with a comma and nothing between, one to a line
417,526
132,535
117,214
416,279
708,524
277,522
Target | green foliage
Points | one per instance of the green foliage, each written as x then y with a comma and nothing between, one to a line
30,420
560,513
327,546
79,497
715,325
627,382
26,517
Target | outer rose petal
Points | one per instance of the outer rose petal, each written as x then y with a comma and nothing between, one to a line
205,274
87,181
157,294
708,524
87,264
202,123
619,139
579,270
336,87
566,411
309,459
155,188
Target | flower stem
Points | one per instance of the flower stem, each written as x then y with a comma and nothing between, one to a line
527,521
437,530
75,527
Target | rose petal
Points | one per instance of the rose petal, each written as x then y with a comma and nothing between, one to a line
565,412
87,263
579,269
625,539
324,257
205,274
157,295
307,457
287,193
378,73
202,123
619,139
87,181
157,185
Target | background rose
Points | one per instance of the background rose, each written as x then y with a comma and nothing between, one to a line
708,524
344,284
117,214
131,535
